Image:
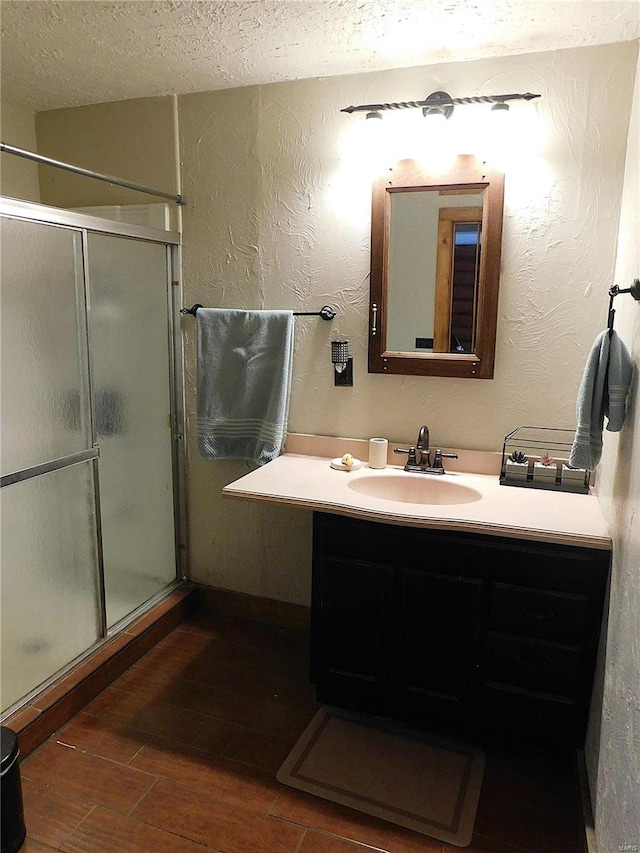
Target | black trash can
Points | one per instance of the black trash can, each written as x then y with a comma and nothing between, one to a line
12,828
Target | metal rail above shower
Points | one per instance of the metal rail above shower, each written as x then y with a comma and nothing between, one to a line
89,173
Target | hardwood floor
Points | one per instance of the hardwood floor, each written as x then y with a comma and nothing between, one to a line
179,755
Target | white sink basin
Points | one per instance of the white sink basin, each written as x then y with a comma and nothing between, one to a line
414,489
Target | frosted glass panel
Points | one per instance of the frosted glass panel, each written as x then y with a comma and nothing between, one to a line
131,379
49,577
43,361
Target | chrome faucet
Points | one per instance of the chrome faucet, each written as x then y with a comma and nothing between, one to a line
418,456
422,446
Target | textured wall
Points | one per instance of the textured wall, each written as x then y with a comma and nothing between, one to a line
276,219
129,139
613,746
18,177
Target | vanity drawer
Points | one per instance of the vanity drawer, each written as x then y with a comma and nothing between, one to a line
533,665
541,614
349,539
527,717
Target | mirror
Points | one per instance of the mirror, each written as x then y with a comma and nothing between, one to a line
435,269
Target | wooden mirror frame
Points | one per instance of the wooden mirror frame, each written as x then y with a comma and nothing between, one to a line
467,173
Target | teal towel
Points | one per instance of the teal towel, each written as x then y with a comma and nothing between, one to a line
603,393
243,382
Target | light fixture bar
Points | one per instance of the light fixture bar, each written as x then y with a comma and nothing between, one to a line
436,100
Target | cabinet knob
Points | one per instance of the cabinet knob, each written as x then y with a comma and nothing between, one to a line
538,615
529,661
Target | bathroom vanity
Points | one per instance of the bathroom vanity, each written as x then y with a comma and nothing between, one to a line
474,633
450,602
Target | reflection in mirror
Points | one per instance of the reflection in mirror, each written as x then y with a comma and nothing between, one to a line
435,258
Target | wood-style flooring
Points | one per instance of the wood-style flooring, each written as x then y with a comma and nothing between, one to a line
179,755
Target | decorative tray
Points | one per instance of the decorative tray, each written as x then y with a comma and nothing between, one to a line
538,458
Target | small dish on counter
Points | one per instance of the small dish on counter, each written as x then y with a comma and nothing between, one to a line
339,465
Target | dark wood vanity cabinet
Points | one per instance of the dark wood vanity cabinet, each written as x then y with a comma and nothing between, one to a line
436,642
354,648
466,632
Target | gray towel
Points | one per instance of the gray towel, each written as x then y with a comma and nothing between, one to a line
603,392
243,383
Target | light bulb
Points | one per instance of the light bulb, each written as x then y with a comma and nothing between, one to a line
436,119
376,143
499,136
438,145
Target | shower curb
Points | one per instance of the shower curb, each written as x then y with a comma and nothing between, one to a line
56,704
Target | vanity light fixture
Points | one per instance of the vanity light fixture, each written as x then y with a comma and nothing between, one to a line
441,103
441,109
342,363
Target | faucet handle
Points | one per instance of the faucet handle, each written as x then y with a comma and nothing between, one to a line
438,456
412,457
412,462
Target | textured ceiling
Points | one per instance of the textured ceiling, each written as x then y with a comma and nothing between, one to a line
60,54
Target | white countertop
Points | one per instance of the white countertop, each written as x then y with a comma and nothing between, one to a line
535,514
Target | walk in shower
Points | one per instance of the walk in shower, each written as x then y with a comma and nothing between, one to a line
91,435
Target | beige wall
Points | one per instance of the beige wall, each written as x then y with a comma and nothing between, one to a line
276,219
134,140
273,221
18,177
613,745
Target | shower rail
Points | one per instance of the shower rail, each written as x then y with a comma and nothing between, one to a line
88,173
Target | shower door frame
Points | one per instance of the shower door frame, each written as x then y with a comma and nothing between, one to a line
85,224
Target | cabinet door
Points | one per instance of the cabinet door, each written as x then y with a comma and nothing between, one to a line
437,646
352,601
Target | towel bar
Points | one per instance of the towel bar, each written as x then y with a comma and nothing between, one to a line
326,312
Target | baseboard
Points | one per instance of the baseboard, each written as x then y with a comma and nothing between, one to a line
587,840
268,611
58,702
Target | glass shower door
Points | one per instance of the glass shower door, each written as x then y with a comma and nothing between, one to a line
50,596
130,362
